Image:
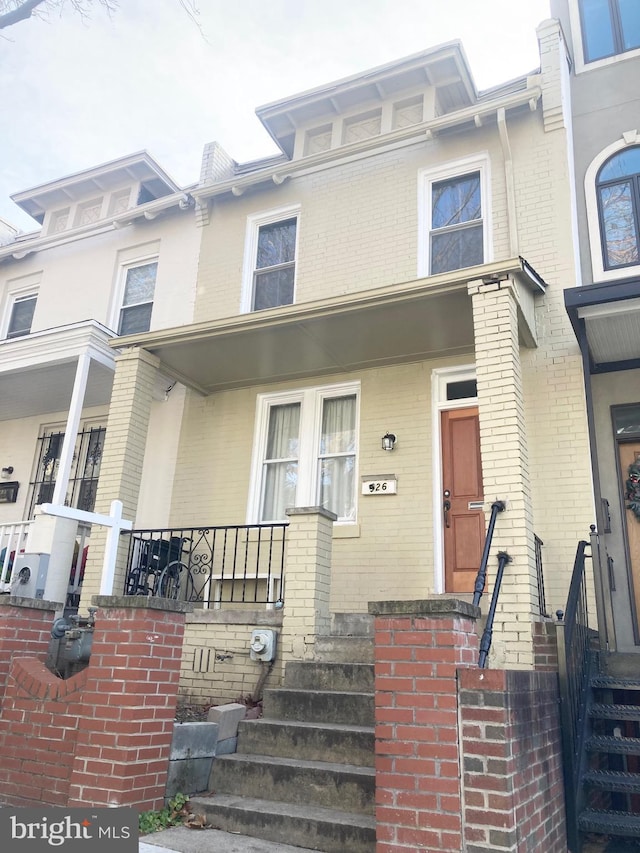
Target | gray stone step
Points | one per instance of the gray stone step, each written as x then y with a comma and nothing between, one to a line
312,827
344,649
319,706
357,677
287,780
352,624
309,741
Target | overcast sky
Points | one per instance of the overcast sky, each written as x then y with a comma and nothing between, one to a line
76,94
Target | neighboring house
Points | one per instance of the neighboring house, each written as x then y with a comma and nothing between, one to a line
603,40
115,253
397,270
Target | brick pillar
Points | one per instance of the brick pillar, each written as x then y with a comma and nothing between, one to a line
505,465
128,706
25,631
121,467
307,581
419,646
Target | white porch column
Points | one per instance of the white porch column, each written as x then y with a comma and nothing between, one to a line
71,429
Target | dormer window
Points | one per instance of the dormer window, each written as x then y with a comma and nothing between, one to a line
88,212
609,27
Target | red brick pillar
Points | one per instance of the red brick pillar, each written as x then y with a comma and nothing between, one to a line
419,646
25,631
128,712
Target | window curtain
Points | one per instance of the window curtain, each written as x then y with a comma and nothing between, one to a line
281,462
337,456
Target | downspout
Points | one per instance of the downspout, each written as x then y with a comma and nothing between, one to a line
512,221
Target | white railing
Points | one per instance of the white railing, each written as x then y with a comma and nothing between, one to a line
13,540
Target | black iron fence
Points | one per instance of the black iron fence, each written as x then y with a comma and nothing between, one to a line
208,566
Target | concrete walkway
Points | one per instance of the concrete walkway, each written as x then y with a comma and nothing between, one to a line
184,840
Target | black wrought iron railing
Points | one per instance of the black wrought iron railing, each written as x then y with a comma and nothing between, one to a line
487,634
542,604
574,660
208,566
481,577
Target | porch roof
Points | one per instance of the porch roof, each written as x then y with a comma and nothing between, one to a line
37,371
606,321
404,322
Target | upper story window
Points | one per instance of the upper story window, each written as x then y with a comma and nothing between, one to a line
609,27
305,452
618,191
21,316
452,217
270,260
137,298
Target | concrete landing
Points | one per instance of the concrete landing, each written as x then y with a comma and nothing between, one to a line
180,839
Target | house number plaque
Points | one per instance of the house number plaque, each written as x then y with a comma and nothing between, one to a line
380,486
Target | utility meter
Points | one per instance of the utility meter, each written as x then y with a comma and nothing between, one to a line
263,644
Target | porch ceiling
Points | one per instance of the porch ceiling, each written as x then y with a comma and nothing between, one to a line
37,372
426,318
609,315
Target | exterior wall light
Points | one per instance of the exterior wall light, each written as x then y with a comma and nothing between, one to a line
388,441
7,472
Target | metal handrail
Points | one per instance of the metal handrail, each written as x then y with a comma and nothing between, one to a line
574,662
481,577
487,634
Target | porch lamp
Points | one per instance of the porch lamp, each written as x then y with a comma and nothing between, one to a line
7,472
388,441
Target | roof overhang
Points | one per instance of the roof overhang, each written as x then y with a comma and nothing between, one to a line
37,372
428,318
444,67
139,168
606,321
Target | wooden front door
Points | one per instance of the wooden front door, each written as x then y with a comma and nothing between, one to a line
462,498
630,453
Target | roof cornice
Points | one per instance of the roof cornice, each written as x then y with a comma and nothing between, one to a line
477,114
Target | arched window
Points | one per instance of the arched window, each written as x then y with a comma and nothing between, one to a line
618,191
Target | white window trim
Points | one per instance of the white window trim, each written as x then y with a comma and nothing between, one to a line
254,222
578,50
123,267
599,273
440,378
15,294
455,169
311,400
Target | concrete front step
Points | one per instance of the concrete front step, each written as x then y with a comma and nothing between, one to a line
309,741
303,783
312,827
352,625
319,706
354,677
348,649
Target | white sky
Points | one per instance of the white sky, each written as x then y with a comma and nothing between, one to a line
76,94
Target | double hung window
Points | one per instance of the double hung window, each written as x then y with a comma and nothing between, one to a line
21,317
609,27
306,447
618,193
453,216
270,259
137,298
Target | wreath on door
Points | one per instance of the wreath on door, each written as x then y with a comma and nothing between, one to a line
632,488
